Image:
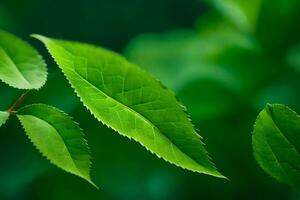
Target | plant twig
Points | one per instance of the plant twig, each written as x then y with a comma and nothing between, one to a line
18,102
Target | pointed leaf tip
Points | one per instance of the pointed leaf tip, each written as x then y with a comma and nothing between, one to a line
276,143
58,138
132,102
38,37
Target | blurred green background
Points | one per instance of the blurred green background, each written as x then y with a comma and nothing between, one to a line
225,59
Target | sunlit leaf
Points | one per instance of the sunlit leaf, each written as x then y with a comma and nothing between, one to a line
276,143
57,137
3,117
132,102
21,66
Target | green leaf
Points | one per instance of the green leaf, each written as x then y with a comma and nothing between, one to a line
127,99
276,143
21,66
57,137
3,117
242,13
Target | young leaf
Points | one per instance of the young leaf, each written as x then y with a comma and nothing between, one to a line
276,143
132,102
57,137
3,117
21,66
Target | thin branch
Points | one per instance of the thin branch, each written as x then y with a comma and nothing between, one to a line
18,102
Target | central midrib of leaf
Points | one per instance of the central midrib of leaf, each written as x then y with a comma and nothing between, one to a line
270,114
137,113
69,154
275,156
15,66
183,143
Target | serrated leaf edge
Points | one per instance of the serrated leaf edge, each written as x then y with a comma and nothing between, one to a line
266,108
216,174
83,138
44,66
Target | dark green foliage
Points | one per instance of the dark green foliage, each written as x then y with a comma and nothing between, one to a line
224,59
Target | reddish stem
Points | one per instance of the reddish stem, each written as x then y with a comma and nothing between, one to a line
18,102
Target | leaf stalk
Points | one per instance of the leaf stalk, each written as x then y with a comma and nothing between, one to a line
17,103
